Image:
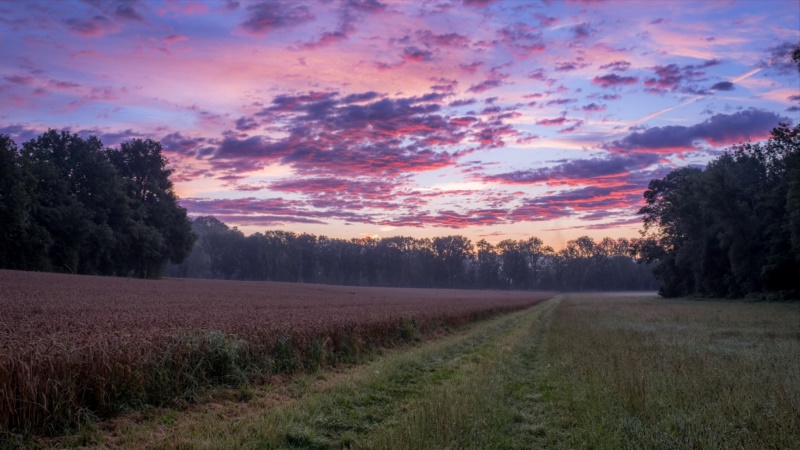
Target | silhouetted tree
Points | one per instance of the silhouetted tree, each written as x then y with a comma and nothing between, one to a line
450,261
488,266
450,255
69,205
731,229
23,244
160,229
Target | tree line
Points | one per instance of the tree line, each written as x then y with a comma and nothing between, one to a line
68,204
441,262
731,229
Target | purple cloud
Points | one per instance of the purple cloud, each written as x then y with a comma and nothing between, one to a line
670,77
590,202
360,134
582,30
177,143
371,189
572,128
606,97
561,101
545,21
478,3
538,74
267,16
720,129
571,65
613,169
246,124
593,108
20,79
617,66
521,39
452,40
470,68
558,121
93,27
494,80
723,86
613,80
415,54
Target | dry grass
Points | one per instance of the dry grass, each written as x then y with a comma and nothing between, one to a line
643,372
74,348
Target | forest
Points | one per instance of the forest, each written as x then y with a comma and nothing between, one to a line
440,262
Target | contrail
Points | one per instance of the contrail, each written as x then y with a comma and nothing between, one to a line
687,102
746,75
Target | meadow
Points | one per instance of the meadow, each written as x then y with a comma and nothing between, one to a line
632,371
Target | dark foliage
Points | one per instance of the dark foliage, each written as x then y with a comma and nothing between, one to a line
441,262
69,205
732,229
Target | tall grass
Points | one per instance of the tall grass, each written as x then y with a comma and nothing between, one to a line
639,372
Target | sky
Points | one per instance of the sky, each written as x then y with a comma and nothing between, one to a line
349,118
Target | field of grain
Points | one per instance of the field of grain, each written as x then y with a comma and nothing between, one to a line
75,348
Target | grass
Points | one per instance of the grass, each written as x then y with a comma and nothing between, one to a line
492,402
643,372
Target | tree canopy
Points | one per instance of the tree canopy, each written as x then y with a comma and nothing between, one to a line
68,204
732,229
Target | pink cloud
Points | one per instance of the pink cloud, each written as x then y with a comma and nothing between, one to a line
558,121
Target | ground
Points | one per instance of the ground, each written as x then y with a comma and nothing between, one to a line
613,370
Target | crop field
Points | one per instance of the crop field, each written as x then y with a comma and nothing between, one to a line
77,348
573,370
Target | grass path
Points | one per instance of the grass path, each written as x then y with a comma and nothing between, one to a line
495,402
474,389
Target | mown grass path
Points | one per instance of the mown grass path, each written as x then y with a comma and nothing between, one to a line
474,389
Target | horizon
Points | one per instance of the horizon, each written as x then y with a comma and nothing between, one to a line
488,119
554,248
